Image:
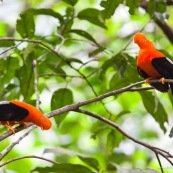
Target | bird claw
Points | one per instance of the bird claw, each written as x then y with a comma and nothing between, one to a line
162,80
25,125
10,128
147,80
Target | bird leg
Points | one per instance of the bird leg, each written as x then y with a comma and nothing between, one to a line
162,80
10,127
147,80
22,123
25,125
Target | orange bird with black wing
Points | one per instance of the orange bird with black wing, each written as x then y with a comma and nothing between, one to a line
16,112
152,64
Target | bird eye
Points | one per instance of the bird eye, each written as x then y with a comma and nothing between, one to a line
41,119
144,41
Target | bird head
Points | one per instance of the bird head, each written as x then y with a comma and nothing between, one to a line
45,123
141,40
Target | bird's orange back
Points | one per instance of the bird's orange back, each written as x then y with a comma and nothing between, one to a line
35,116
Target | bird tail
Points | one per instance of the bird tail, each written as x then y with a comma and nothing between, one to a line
171,86
161,87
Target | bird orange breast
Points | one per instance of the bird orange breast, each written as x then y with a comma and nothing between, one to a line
144,62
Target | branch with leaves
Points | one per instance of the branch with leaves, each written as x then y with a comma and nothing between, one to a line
76,108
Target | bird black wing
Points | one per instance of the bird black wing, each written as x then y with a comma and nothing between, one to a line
12,112
159,86
165,68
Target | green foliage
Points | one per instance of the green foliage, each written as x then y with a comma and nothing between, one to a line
132,5
113,140
85,34
60,98
90,162
71,2
155,108
109,7
156,6
25,24
92,16
64,168
6,43
86,51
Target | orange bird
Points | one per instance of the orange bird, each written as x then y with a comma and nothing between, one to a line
16,112
152,64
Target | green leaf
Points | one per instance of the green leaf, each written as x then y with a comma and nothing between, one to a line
120,64
106,65
7,43
132,5
118,61
171,133
28,50
60,98
71,2
84,34
25,24
161,6
7,73
156,6
90,162
64,168
96,51
113,140
109,7
71,60
47,11
119,115
67,21
92,16
26,79
155,108
117,82
8,68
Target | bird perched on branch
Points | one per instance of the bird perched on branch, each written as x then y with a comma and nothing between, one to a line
16,112
152,64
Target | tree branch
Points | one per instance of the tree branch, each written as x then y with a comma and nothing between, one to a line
11,146
25,157
36,83
56,52
75,106
160,163
157,151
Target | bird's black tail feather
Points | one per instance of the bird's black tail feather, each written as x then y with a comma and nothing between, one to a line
161,87
171,86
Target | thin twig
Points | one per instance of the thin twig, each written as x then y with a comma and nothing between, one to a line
25,157
58,74
11,146
36,83
12,47
117,127
58,54
160,163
